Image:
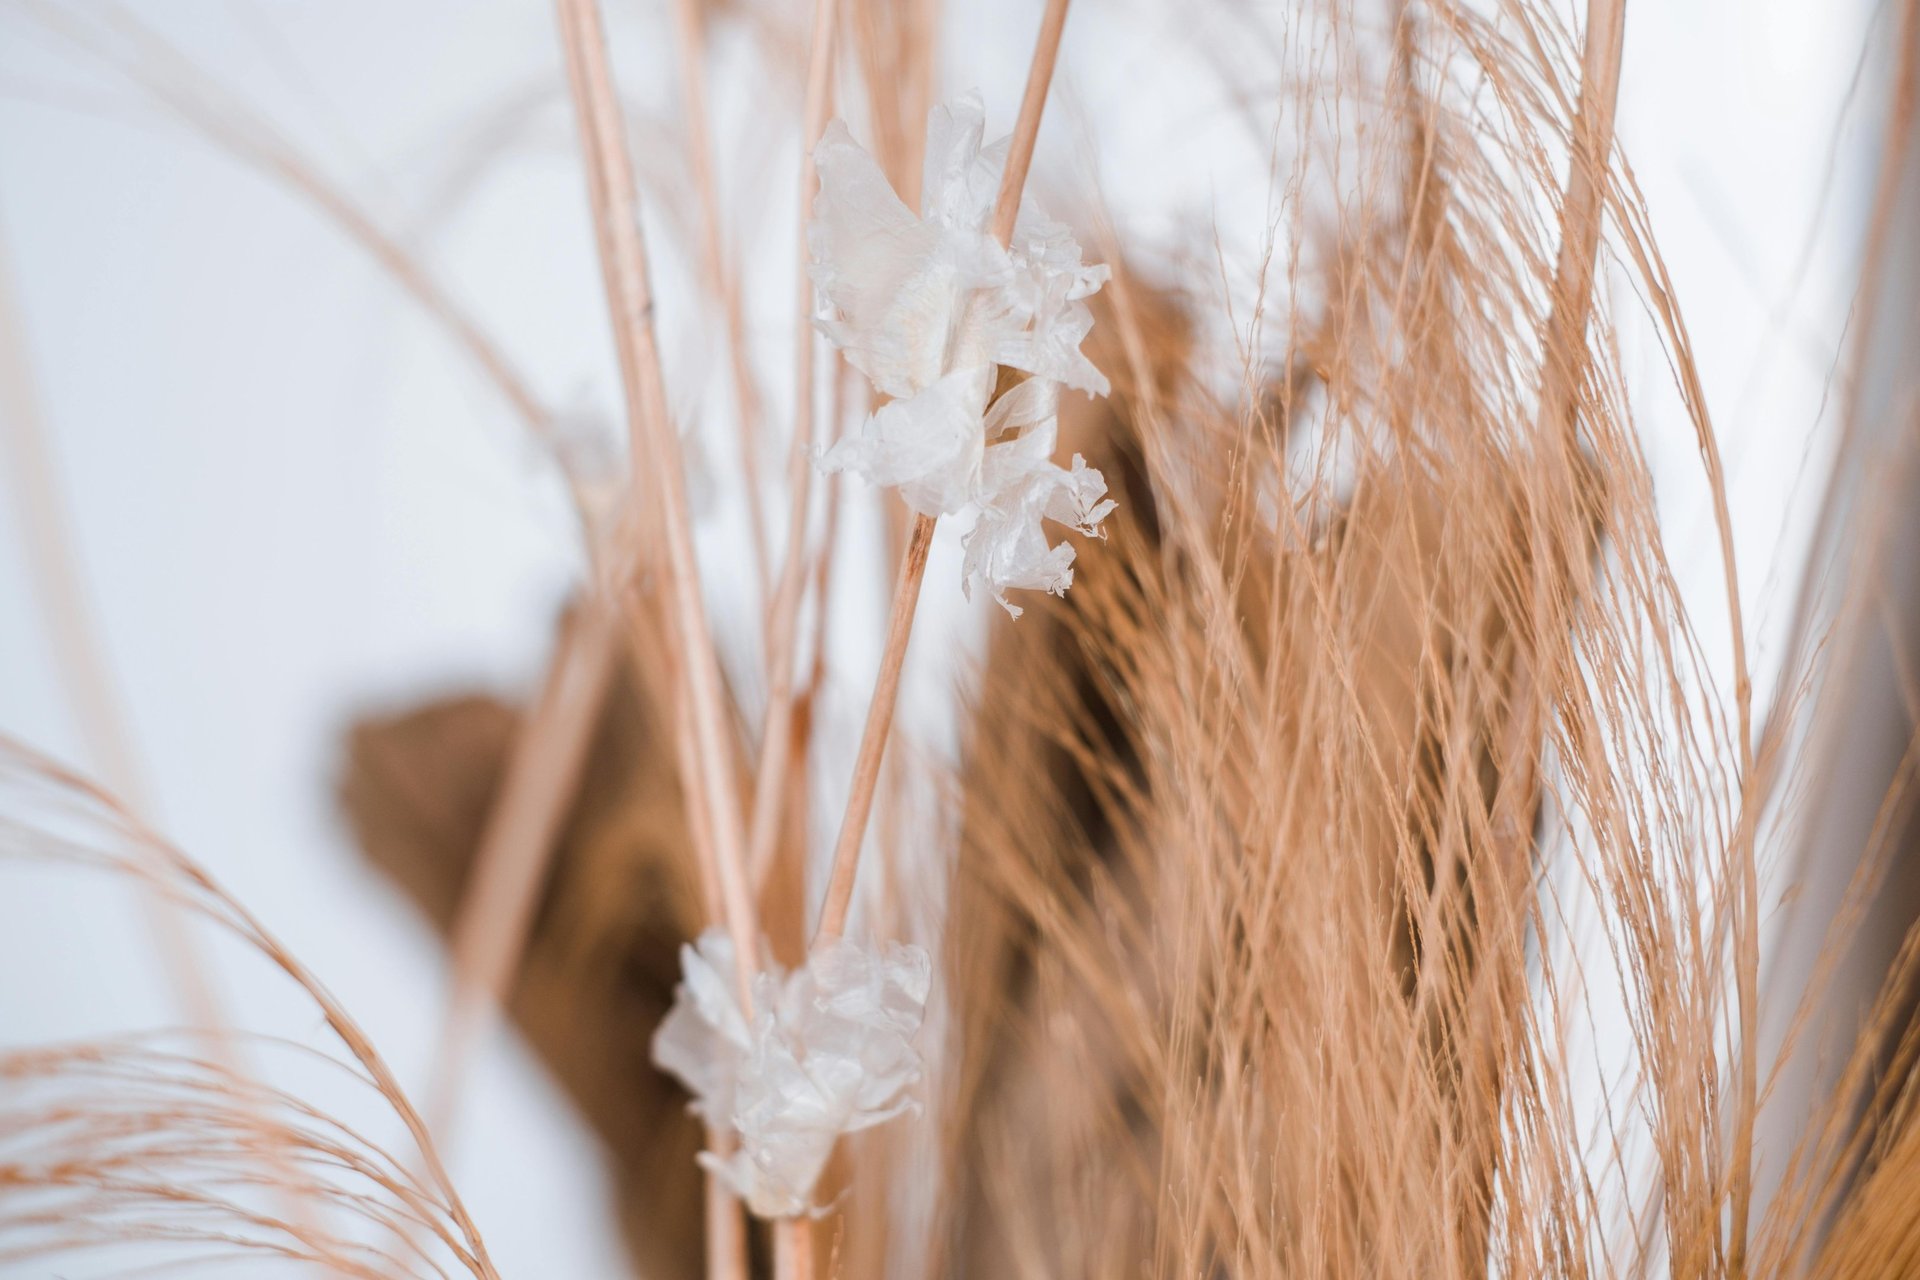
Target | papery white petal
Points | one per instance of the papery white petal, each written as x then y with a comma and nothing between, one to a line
707,969
1008,549
875,264
1030,410
1042,245
703,1035
929,445
687,1047
760,1179
927,308
1079,498
959,179
867,1007
1047,290
829,1052
911,298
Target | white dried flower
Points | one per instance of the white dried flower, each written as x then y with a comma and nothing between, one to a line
827,1051
929,307
929,446
1007,548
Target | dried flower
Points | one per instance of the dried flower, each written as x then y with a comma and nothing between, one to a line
929,307
827,1050
1020,484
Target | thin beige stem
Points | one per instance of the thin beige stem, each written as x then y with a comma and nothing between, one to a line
542,777
86,678
1026,129
686,749
823,562
690,36
873,737
88,683
725,1224
776,739
913,564
726,1229
1566,340
657,464
793,1249
193,886
824,559
1580,215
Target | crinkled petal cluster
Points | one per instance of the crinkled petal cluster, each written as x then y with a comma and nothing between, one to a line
826,1050
930,307
1020,484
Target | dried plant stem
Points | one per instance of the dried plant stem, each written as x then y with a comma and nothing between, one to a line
913,564
657,465
1026,129
1580,217
192,885
85,677
793,1249
823,562
1573,285
725,1226
726,1229
776,739
689,35
873,736
540,780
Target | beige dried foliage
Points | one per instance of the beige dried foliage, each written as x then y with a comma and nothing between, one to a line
1262,956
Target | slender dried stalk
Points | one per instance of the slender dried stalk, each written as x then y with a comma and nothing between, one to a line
656,453
119,840
793,1249
1566,339
85,677
541,778
873,736
776,739
657,464
726,1227
1026,128
93,694
829,538
722,279
913,563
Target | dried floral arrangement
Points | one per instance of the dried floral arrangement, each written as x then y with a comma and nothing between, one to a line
1340,710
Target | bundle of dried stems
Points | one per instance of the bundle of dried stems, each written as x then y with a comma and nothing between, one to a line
1260,951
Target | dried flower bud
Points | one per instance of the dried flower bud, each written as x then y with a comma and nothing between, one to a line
928,307
827,1050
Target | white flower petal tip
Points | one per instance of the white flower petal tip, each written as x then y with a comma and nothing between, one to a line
1007,549
916,298
927,306
928,445
826,1051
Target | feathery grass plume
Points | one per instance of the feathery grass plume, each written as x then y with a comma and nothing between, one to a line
1299,846
148,1140
1261,957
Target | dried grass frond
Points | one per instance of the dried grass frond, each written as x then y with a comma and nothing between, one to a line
1297,845
153,1140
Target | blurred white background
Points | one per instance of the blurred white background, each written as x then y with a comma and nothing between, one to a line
293,500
